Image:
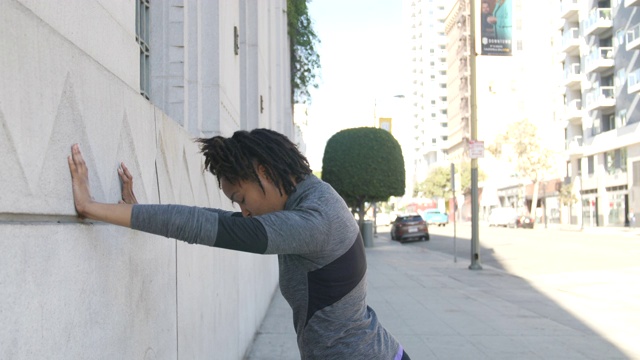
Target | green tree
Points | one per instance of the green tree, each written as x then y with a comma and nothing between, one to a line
520,144
304,59
566,196
364,165
438,182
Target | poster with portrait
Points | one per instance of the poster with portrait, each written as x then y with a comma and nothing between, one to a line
495,26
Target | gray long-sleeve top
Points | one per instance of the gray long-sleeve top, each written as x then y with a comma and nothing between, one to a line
321,259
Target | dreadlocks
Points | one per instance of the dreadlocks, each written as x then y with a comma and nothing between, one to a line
235,158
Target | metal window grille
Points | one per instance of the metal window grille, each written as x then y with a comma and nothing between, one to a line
142,38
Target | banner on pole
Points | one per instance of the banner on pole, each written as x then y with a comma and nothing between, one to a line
495,26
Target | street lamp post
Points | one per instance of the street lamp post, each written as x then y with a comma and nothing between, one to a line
475,241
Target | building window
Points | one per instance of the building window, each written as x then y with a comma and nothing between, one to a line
608,122
591,166
142,37
619,80
615,161
621,118
636,173
619,38
579,167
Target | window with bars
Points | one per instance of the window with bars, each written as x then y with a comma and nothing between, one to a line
142,37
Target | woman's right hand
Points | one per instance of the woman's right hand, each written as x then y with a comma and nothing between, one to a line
79,181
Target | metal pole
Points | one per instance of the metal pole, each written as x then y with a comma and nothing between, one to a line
455,209
475,241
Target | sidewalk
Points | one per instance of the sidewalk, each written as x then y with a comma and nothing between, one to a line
439,309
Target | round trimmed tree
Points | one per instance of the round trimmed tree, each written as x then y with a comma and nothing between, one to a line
364,165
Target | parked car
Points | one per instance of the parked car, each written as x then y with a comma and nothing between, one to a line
505,216
435,217
525,222
409,227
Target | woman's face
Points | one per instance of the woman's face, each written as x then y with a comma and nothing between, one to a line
250,197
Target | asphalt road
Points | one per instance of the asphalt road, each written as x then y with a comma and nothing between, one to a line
593,274
538,251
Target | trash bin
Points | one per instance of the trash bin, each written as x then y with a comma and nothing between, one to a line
367,233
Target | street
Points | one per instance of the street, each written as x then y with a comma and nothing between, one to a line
592,274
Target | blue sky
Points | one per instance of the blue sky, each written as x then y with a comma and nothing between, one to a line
362,54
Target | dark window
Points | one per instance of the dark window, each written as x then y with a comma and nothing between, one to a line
142,37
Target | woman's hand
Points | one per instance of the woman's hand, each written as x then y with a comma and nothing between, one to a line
118,214
492,19
79,181
128,197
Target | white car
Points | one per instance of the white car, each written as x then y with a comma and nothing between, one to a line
503,217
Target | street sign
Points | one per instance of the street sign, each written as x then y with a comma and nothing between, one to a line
476,149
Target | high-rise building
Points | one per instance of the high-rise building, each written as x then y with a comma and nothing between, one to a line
428,89
600,51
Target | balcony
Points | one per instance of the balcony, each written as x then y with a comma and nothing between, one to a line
599,59
572,76
573,146
571,41
633,38
573,112
633,82
628,3
599,21
569,9
601,98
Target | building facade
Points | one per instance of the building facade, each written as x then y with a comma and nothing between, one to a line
427,95
509,88
599,109
133,82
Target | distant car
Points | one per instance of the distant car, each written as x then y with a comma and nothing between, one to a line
409,227
505,216
435,217
525,222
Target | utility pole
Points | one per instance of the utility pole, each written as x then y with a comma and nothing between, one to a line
475,241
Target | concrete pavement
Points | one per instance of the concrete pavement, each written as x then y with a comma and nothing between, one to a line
439,309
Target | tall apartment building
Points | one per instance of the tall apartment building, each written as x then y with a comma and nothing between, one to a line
600,50
427,96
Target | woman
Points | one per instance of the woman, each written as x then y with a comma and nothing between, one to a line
501,19
286,211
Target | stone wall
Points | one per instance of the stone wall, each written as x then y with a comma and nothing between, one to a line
77,289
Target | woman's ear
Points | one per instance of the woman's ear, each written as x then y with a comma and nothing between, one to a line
262,171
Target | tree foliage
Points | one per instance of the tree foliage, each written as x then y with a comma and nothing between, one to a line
438,182
566,195
364,165
305,60
520,144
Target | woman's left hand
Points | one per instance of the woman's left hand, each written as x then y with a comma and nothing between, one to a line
128,197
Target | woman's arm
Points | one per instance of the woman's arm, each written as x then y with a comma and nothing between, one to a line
117,214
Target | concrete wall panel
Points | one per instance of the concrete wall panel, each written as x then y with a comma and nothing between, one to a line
82,290
78,21
71,288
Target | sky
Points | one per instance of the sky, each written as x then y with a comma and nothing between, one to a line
362,62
